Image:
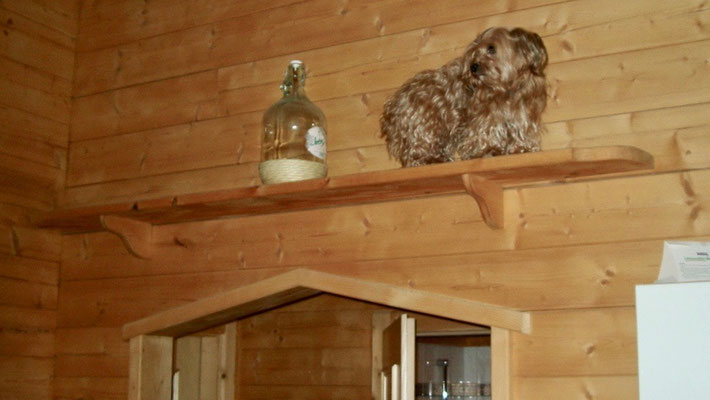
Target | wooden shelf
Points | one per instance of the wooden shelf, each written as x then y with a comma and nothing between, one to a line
484,179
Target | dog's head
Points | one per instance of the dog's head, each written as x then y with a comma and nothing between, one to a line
500,59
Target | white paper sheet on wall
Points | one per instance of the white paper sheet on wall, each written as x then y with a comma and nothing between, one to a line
685,262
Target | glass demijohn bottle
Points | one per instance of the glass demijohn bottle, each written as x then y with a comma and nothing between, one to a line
293,143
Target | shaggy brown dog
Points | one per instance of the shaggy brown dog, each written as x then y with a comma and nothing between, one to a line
487,102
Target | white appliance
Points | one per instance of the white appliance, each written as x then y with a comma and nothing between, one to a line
673,321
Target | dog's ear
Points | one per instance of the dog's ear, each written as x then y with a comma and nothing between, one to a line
530,45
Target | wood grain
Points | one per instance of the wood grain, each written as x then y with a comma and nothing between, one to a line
403,183
591,342
168,97
37,41
150,370
302,283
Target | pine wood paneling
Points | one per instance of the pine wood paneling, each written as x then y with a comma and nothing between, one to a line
76,388
26,294
34,151
36,70
585,343
277,352
25,377
273,32
27,242
105,24
26,125
218,44
154,105
629,82
46,82
596,275
29,270
193,181
35,45
364,79
596,387
196,145
30,319
304,392
169,97
60,15
288,364
90,341
307,329
34,101
27,343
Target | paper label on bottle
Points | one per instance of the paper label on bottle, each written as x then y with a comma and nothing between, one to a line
315,142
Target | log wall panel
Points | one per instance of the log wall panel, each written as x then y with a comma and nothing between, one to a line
36,70
273,32
570,253
318,345
329,62
36,45
596,276
596,387
549,217
66,388
305,392
585,342
106,24
28,270
218,44
59,15
32,127
154,105
681,145
600,273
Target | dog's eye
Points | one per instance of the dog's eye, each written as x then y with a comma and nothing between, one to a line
491,49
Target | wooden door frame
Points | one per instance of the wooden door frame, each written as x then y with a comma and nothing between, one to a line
151,355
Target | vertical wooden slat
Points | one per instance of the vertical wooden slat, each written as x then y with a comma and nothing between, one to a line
150,368
187,361
500,364
209,367
408,359
380,320
227,363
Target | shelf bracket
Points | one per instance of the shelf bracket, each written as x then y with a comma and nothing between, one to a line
489,196
136,235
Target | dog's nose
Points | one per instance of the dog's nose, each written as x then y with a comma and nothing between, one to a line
475,67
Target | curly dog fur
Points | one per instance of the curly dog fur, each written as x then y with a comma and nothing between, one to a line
487,102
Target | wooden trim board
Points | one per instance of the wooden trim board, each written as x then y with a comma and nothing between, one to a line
302,283
483,178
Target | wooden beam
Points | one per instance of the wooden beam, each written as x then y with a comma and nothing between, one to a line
301,283
223,307
150,368
501,364
426,302
226,384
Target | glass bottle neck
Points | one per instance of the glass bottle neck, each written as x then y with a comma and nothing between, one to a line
294,81
293,91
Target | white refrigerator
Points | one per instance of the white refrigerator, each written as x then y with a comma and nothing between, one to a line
673,321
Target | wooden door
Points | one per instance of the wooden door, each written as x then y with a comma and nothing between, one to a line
398,347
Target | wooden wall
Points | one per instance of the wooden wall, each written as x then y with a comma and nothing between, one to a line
315,349
168,97
36,68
